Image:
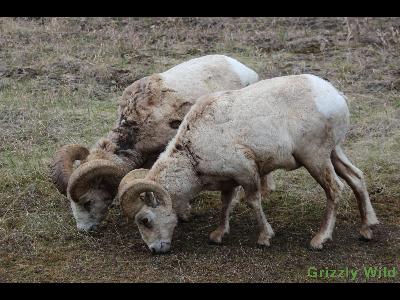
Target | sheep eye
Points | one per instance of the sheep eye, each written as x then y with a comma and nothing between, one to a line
175,124
145,222
87,205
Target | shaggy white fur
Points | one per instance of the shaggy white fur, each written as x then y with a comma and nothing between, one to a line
235,137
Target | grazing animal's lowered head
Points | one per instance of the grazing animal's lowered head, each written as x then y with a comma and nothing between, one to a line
89,179
152,211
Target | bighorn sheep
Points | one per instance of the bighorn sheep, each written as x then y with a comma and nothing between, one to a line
233,138
149,115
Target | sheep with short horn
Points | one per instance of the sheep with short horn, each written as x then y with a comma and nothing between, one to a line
233,138
149,115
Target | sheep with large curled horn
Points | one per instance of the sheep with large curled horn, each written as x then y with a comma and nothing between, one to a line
296,121
91,186
149,114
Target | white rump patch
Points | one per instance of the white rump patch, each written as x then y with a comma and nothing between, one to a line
247,76
327,98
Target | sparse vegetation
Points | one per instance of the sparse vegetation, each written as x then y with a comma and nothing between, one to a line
60,80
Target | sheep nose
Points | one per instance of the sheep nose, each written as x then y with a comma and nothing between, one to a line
153,250
165,246
88,229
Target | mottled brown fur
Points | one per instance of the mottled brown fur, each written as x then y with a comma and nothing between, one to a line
145,92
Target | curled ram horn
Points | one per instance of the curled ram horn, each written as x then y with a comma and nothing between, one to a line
130,189
95,171
63,164
132,175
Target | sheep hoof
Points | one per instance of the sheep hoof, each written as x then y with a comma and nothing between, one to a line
271,232
317,243
214,243
215,238
264,244
264,241
366,233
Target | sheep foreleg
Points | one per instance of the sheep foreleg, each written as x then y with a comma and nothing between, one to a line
229,199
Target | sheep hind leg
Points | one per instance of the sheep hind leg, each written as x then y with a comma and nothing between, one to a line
253,198
355,179
229,200
267,185
324,173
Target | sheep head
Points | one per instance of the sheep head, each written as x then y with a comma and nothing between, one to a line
154,111
91,189
91,186
153,213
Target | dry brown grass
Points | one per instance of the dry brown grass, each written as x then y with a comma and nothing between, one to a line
60,79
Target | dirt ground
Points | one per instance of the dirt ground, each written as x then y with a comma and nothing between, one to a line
60,80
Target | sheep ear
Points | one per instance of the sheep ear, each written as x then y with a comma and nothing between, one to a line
185,107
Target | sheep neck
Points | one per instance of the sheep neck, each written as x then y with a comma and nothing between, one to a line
175,173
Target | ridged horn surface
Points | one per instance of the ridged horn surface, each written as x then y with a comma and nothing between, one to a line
86,175
129,194
63,164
